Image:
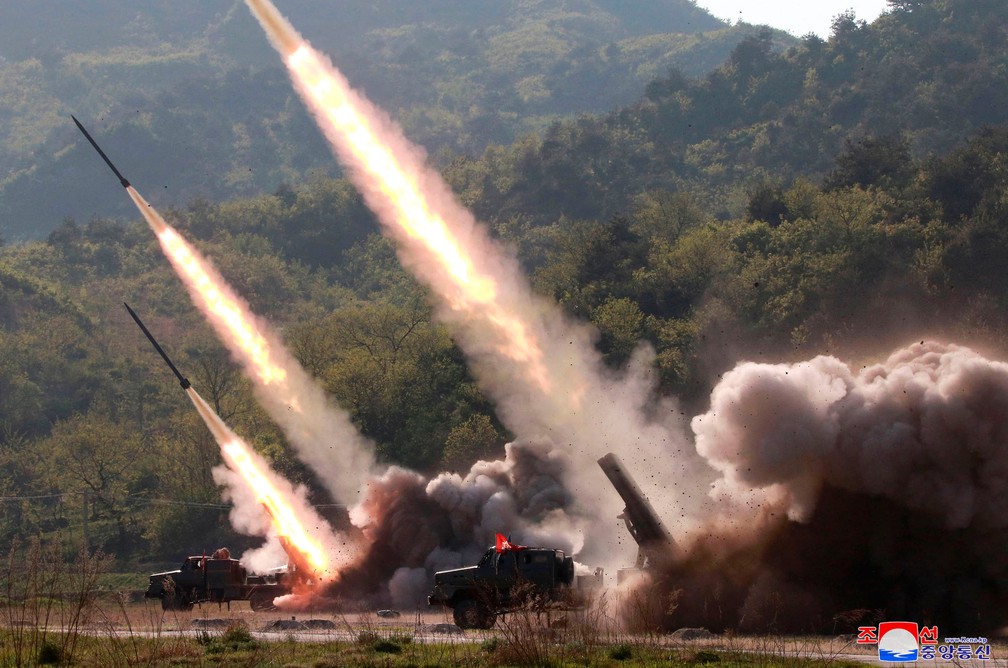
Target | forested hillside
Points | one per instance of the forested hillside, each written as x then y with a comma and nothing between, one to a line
782,206
192,95
917,81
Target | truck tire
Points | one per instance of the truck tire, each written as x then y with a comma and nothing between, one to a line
472,614
176,602
261,600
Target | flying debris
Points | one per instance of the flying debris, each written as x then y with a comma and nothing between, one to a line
655,543
183,381
125,184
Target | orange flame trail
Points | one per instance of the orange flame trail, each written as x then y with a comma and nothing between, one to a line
323,434
401,191
255,472
215,298
543,370
260,492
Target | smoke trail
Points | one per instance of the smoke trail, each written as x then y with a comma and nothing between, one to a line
844,491
254,488
542,369
323,434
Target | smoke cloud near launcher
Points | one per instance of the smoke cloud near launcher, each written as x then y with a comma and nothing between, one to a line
415,526
849,493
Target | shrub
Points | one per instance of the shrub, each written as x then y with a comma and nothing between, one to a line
621,652
236,638
50,653
387,647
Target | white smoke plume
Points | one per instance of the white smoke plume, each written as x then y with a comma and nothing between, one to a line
321,433
541,368
266,504
926,428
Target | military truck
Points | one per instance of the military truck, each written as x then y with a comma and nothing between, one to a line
501,581
217,579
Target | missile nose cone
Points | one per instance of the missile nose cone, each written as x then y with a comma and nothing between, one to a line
122,179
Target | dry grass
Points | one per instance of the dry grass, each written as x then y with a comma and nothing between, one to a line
53,613
47,602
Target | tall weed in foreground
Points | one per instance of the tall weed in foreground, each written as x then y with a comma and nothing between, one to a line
47,601
545,632
133,642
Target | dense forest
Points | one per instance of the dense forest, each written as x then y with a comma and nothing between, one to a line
842,196
197,86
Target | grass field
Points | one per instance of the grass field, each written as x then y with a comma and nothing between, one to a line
237,646
117,632
77,613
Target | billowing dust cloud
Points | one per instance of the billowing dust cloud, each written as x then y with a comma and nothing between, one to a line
542,369
854,495
323,435
414,526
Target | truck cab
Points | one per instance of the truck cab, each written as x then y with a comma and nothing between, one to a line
499,581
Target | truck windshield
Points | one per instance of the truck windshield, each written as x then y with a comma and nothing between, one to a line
486,558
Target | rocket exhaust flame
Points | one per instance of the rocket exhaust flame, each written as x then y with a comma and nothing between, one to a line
541,369
261,489
274,494
323,435
397,186
264,503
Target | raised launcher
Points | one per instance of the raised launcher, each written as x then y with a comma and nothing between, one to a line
654,542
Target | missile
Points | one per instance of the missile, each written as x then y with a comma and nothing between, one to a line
183,381
122,180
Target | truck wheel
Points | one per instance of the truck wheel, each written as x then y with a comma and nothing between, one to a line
169,602
260,601
471,614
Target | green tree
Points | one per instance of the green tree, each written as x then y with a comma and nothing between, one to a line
475,438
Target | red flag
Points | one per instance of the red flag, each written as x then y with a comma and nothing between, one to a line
504,544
